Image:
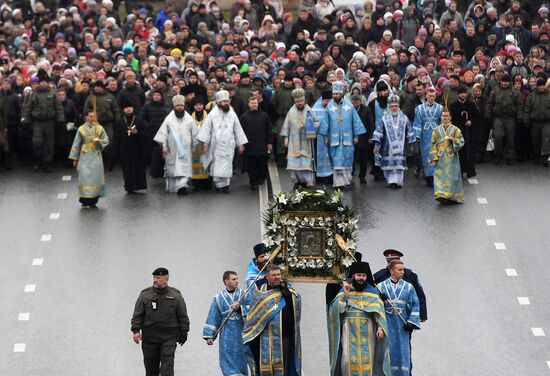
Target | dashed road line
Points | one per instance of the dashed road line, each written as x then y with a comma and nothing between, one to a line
37,261
524,300
19,347
67,177
62,196
54,216
46,237
511,272
482,200
491,222
473,181
500,246
538,332
30,288
24,316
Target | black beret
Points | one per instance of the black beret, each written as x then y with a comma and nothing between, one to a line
160,272
462,89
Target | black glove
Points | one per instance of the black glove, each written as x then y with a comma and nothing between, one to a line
182,339
409,327
383,296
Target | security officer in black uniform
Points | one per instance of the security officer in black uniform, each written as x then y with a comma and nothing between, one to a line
159,321
410,276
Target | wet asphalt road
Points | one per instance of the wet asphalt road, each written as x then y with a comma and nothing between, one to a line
97,262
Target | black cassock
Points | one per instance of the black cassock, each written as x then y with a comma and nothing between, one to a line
131,151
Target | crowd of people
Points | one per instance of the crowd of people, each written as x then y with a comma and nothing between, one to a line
194,92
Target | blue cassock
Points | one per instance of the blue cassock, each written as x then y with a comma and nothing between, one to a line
390,136
343,125
324,168
232,357
426,119
251,272
404,299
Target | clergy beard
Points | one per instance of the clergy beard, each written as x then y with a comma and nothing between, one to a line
179,113
224,108
383,101
300,107
358,286
394,113
199,114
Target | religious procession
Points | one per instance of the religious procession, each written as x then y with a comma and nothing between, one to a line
181,99
370,317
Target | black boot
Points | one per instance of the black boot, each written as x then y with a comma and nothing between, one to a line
429,181
7,161
182,191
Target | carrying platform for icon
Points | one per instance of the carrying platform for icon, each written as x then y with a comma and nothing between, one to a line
316,233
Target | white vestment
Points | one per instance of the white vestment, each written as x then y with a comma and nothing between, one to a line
178,135
222,132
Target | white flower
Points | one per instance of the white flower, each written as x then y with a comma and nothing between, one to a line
341,209
329,242
300,264
284,220
329,233
341,226
350,244
329,264
320,264
353,223
292,264
283,267
273,226
347,261
311,263
329,253
282,199
298,196
292,253
268,241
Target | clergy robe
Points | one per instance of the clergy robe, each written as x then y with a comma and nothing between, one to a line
252,271
344,124
271,333
232,359
222,131
179,136
323,165
448,177
201,177
300,157
91,176
132,152
404,299
426,119
352,325
390,136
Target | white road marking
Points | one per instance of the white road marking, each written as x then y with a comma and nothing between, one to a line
37,261
491,222
30,288
19,347
46,237
24,316
482,200
538,332
274,176
524,300
67,178
511,272
500,246
472,181
55,215
61,196
548,363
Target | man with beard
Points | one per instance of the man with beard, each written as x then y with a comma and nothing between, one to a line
364,149
201,178
271,333
322,163
258,129
160,321
153,113
130,147
427,117
176,136
463,113
220,134
403,299
358,331
300,157
378,107
390,137
341,133
256,264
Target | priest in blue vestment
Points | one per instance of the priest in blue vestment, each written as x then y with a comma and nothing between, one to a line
341,133
391,135
427,117
357,328
271,332
256,264
404,299
324,167
226,308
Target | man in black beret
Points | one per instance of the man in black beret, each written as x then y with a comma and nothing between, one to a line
537,117
160,321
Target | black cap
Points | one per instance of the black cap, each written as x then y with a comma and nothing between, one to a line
126,103
197,99
99,83
327,94
462,89
381,85
362,267
506,78
160,272
259,249
392,253
245,75
541,82
458,52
